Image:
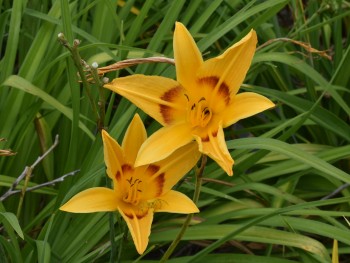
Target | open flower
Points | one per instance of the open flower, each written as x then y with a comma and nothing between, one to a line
199,104
138,191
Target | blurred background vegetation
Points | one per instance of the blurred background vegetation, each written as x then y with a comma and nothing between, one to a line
288,199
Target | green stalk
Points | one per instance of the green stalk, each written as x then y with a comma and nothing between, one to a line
24,188
173,245
78,64
101,97
77,61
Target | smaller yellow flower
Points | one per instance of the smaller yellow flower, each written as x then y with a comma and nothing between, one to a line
138,191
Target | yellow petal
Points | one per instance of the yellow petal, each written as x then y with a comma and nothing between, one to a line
160,97
176,202
231,67
178,164
134,137
139,227
187,56
164,142
215,147
245,105
113,155
163,175
97,199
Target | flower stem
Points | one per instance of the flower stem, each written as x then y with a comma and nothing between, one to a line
199,175
101,97
28,173
78,62
173,245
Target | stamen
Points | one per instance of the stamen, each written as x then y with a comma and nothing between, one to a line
199,114
133,194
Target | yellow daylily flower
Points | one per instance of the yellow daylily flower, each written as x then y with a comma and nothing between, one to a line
138,191
199,104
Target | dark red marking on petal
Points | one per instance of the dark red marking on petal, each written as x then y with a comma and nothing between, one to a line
118,176
131,216
160,184
138,212
152,169
223,90
169,96
205,139
159,179
142,214
127,168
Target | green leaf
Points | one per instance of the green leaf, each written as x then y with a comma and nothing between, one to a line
24,85
321,116
229,258
44,251
341,76
253,234
13,221
303,67
235,20
292,152
9,58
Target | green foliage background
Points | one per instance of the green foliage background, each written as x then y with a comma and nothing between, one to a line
287,159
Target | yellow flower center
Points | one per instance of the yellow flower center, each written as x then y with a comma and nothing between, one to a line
198,113
133,192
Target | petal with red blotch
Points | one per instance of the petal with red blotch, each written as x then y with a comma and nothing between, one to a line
231,67
113,155
161,98
161,176
139,225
